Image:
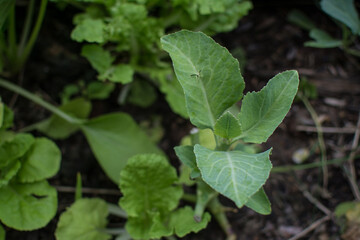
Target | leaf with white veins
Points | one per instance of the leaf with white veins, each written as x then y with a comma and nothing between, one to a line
261,112
208,73
237,175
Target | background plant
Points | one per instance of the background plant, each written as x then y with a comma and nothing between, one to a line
15,51
344,14
121,38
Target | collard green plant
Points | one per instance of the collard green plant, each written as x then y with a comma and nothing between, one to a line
27,201
212,83
344,14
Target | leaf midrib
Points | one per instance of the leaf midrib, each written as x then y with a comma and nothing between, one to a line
203,90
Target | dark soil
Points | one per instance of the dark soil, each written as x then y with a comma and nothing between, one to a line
272,45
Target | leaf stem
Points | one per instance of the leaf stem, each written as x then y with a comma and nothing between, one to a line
26,29
289,168
189,197
41,102
322,146
217,210
116,210
30,44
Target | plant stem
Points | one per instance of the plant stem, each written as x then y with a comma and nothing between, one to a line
78,189
217,210
26,29
204,194
41,102
289,168
116,210
322,146
34,34
351,163
189,197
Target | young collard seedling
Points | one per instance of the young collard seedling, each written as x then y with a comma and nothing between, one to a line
212,83
216,87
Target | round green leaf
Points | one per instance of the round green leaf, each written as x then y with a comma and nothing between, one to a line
84,220
40,162
27,206
147,184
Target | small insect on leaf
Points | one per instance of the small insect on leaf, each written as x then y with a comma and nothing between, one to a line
197,75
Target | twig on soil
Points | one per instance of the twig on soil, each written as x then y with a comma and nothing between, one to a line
352,175
99,191
310,228
316,202
345,130
322,146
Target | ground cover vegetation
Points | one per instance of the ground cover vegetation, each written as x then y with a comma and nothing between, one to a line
139,54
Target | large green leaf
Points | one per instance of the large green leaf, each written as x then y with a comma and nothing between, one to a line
5,6
40,162
261,112
259,202
57,128
84,220
149,194
114,138
237,175
15,148
27,206
147,185
344,11
208,73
